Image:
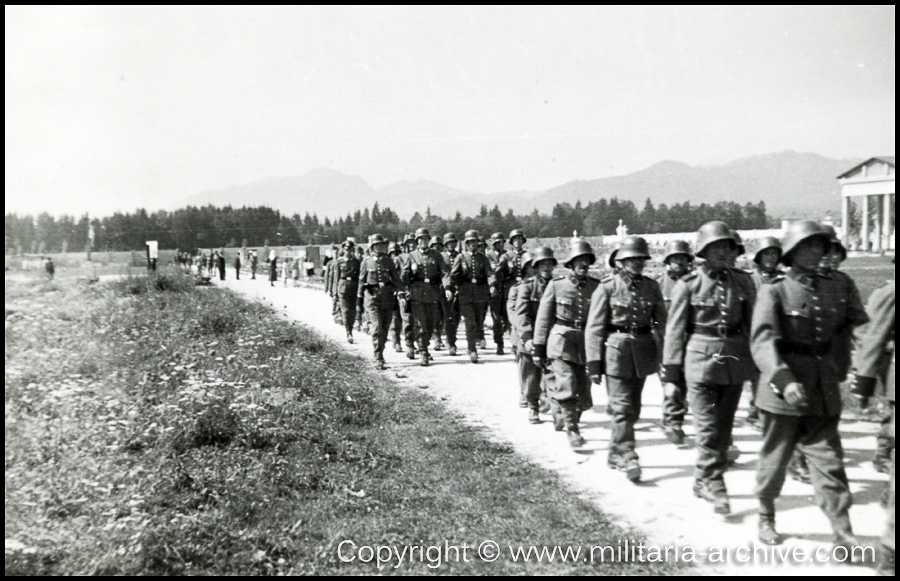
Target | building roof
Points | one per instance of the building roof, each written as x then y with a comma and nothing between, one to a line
888,159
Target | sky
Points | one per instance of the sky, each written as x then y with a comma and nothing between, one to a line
112,109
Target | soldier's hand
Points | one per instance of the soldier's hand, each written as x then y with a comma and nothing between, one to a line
671,390
794,394
414,267
449,294
494,291
529,346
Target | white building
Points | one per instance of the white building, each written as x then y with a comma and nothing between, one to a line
871,184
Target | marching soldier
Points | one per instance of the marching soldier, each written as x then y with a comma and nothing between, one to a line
423,272
482,249
497,303
707,346
677,260
346,285
625,310
514,336
559,336
528,298
451,301
875,360
379,279
794,322
510,271
396,319
437,244
409,333
472,277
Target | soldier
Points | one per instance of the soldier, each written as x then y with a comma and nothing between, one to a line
794,322
875,360
510,271
707,346
514,333
379,279
528,299
423,272
472,278
451,301
346,285
396,319
625,310
677,260
497,303
482,249
437,244
559,336
50,268
409,334
220,263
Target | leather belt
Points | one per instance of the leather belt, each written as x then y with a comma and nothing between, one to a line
568,323
796,348
630,330
717,331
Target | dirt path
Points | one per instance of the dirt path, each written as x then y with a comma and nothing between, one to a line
662,506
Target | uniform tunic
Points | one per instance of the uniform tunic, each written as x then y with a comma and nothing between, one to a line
346,286
423,272
496,302
451,306
472,277
378,283
675,405
527,297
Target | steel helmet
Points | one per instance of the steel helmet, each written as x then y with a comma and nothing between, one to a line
712,232
799,231
497,237
436,240
472,235
518,232
393,247
450,236
408,238
611,259
676,247
633,247
348,243
541,254
765,244
376,239
526,260
578,248
836,242
739,241
422,233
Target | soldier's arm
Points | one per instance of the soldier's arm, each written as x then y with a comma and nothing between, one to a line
406,269
523,313
764,336
660,314
546,317
501,270
596,329
869,356
511,306
856,314
363,273
395,276
493,283
455,271
676,333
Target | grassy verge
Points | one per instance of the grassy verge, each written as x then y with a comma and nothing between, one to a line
156,428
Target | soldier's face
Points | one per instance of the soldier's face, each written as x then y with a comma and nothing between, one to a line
422,243
580,266
634,265
831,260
377,248
545,268
719,253
518,242
437,247
678,264
472,246
768,258
808,254
451,245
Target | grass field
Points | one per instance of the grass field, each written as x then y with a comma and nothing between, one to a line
157,428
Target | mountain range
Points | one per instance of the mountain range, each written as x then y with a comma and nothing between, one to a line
791,184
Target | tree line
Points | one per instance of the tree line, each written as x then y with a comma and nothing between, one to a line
214,227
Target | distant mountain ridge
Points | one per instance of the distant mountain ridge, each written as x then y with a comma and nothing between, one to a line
791,184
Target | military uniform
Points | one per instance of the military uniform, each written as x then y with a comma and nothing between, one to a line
472,277
406,319
451,305
510,272
625,310
559,335
675,405
707,343
794,322
379,280
423,272
496,302
346,286
875,360
528,296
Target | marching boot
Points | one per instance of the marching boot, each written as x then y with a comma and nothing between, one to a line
350,337
767,533
424,359
473,356
451,350
534,416
410,353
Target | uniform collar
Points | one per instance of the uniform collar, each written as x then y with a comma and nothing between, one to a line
629,279
723,275
576,281
807,279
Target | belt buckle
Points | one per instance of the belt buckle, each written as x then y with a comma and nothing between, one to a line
722,329
427,280
474,281
381,284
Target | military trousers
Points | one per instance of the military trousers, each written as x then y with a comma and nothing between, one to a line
625,402
818,439
407,328
379,323
884,441
396,323
713,407
888,538
530,379
427,317
754,387
348,312
473,313
499,322
336,309
675,406
569,386
451,320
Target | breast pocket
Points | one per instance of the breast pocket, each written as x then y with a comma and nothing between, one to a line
565,308
798,322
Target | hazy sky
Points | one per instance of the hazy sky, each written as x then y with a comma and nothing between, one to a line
115,108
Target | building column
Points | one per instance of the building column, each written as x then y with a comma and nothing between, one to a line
886,220
864,227
845,220
878,221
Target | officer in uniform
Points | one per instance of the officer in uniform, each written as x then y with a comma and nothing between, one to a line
514,335
625,310
409,336
346,285
875,360
437,244
677,260
450,300
483,250
396,319
707,346
472,278
497,303
378,281
510,271
559,337
423,272
794,322
528,298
